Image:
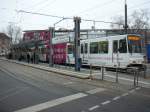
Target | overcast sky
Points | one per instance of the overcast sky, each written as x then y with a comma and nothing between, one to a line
103,10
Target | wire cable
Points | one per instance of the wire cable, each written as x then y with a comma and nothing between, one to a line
23,11
48,4
36,13
36,4
133,7
96,6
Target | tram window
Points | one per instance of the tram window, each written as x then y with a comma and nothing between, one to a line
70,49
115,46
81,48
103,47
86,48
94,47
122,46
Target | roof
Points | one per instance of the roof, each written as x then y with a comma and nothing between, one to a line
4,36
35,30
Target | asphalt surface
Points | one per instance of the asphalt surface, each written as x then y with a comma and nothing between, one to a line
26,89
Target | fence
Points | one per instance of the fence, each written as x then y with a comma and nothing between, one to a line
136,72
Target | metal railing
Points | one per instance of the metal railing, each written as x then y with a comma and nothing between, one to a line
135,71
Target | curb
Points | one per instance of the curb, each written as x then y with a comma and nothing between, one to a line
54,70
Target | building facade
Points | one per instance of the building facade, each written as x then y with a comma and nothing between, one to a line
5,42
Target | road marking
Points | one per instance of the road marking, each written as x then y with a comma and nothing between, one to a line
106,102
49,104
125,94
14,93
67,83
93,91
82,111
8,90
116,98
138,88
132,91
94,107
146,83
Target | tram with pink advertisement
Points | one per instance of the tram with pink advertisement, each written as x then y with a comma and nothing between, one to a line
111,51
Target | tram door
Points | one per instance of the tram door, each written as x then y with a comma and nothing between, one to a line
119,52
115,53
84,52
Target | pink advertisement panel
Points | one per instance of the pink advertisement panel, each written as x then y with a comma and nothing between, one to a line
59,51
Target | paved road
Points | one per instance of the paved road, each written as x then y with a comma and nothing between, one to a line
25,89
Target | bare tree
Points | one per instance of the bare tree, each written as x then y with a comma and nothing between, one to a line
119,20
138,20
14,32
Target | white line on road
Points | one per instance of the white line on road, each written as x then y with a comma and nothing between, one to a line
83,111
93,91
8,90
14,93
116,98
52,103
138,88
94,107
106,102
67,83
132,91
125,94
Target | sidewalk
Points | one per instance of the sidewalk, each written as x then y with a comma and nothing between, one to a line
52,69
85,73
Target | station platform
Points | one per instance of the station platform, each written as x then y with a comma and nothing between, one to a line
84,73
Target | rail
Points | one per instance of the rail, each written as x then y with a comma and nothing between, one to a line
136,71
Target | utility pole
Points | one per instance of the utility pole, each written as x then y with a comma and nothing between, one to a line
77,21
146,46
126,24
51,34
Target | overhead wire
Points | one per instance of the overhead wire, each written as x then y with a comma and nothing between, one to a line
63,18
36,4
42,14
36,13
96,6
134,7
48,4
17,14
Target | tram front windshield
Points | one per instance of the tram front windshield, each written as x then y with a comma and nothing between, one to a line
135,44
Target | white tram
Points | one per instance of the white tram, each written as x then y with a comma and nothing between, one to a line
111,51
